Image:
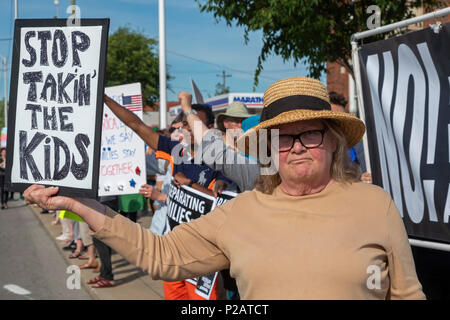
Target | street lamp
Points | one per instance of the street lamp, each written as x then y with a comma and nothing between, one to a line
5,105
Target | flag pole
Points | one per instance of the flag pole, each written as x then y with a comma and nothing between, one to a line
162,67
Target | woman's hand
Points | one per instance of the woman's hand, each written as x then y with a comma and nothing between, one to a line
146,190
46,198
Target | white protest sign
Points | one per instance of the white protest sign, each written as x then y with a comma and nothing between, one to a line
56,95
122,159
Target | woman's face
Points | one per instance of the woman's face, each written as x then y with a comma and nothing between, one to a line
302,165
3,153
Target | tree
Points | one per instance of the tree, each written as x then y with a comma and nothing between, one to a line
2,113
221,90
318,30
131,58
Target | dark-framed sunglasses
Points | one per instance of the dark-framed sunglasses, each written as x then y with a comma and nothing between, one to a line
309,139
172,129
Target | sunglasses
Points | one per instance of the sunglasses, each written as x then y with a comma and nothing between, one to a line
172,129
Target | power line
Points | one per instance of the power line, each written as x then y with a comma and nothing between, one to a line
217,65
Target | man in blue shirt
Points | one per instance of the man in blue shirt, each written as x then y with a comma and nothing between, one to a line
184,171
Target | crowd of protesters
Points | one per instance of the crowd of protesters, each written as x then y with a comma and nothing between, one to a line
309,230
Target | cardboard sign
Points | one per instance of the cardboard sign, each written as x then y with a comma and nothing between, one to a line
122,159
56,103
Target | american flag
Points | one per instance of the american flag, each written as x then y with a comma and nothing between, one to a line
133,102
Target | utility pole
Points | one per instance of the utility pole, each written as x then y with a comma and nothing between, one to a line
16,9
224,76
5,89
57,11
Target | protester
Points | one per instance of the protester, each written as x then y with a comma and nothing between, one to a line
217,154
129,204
77,239
106,277
159,192
66,234
310,231
339,103
87,240
3,192
184,170
229,122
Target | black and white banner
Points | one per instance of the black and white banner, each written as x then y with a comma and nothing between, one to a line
185,204
405,84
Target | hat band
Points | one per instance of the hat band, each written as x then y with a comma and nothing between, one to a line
293,103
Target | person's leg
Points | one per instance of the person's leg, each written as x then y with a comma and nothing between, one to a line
65,234
86,238
77,238
104,253
3,192
175,290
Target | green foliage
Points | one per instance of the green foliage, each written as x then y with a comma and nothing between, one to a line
317,30
2,113
131,58
221,90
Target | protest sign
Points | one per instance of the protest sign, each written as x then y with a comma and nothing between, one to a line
56,102
122,159
224,197
185,204
405,82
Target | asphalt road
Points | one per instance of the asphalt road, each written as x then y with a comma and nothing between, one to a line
31,266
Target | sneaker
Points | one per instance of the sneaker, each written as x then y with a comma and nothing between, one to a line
63,237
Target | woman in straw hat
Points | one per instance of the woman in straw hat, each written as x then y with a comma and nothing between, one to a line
310,231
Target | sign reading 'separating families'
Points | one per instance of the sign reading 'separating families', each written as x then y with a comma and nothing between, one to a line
185,204
56,103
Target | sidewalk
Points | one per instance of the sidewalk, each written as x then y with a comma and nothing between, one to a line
131,282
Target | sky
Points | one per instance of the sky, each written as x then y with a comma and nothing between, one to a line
197,46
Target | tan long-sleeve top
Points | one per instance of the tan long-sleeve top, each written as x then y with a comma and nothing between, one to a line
346,242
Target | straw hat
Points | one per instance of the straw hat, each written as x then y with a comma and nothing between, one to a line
235,109
300,98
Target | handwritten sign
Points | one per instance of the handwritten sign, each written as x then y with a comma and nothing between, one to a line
122,158
56,105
